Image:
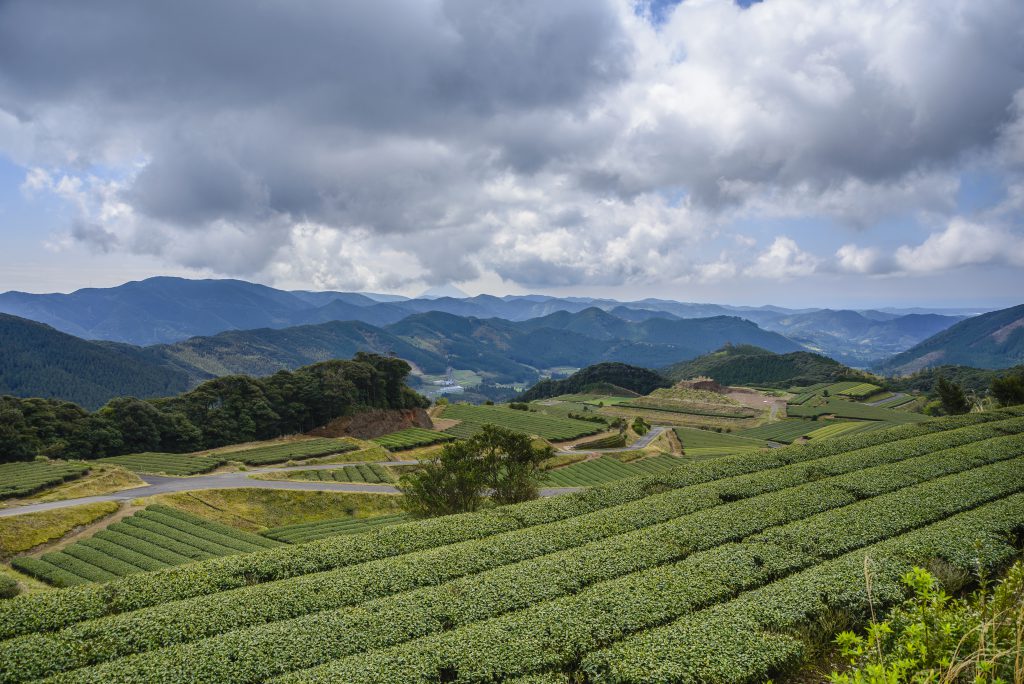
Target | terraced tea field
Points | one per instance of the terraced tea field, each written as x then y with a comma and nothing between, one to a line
411,438
153,539
707,572
607,469
297,534
290,451
170,464
23,479
369,473
526,422
849,409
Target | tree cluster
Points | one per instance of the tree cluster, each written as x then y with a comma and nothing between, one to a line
496,461
222,411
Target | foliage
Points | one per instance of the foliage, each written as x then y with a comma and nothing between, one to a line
9,587
1008,390
749,365
932,637
633,378
497,460
219,412
641,426
617,576
954,401
304,532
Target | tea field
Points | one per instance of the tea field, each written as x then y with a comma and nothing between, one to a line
709,571
25,478
528,422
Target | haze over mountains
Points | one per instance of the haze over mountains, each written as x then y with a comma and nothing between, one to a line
165,310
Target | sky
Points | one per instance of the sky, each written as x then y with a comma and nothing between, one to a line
842,153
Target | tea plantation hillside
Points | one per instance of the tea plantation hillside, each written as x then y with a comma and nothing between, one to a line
709,571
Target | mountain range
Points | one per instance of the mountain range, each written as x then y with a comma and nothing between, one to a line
166,310
41,358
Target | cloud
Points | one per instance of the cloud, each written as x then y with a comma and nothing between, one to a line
963,243
782,260
547,144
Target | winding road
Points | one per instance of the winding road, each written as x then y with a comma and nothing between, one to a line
159,484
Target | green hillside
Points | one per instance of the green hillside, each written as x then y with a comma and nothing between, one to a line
620,375
709,568
749,365
991,340
38,361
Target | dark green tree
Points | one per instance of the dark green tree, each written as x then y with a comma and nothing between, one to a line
511,463
1008,390
954,400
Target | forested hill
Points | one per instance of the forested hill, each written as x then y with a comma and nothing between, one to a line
601,377
749,365
991,340
222,411
38,361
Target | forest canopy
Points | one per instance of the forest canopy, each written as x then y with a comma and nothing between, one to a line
218,412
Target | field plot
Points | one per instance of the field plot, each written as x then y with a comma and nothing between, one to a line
897,401
297,534
783,431
290,451
411,438
616,441
171,464
527,422
607,469
369,473
152,539
23,479
708,571
835,429
848,409
594,399
692,438
861,391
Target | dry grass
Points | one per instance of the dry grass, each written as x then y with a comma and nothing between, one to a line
258,509
103,479
19,533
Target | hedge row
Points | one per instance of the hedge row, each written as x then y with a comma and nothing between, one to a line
554,634
241,655
53,610
299,643
748,639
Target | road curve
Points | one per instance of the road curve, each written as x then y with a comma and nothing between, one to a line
157,484
651,435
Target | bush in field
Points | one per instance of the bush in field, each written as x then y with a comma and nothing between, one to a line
935,638
455,481
641,426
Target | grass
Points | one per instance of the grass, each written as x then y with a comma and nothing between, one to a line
607,469
101,479
411,438
297,534
709,571
256,510
155,538
526,422
20,533
28,477
168,464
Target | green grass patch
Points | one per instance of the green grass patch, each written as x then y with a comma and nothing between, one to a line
19,533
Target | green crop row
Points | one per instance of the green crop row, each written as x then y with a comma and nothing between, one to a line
23,479
371,473
411,438
695,438
172,464
295,644
864,389
616,441
607,469
850,409
526,422
165,625
784,431
751,637
833,430
53,610
291,451
152,539
304,532
553,634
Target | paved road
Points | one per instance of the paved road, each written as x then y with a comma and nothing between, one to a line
156,484
651,435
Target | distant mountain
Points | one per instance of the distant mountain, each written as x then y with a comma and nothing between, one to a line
858,338
991,340
600,376
443,291
750,365
38,361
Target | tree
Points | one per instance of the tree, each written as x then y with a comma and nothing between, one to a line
495,460
954,401
1009,389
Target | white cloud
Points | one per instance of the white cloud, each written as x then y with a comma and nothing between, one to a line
962,243
783,259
